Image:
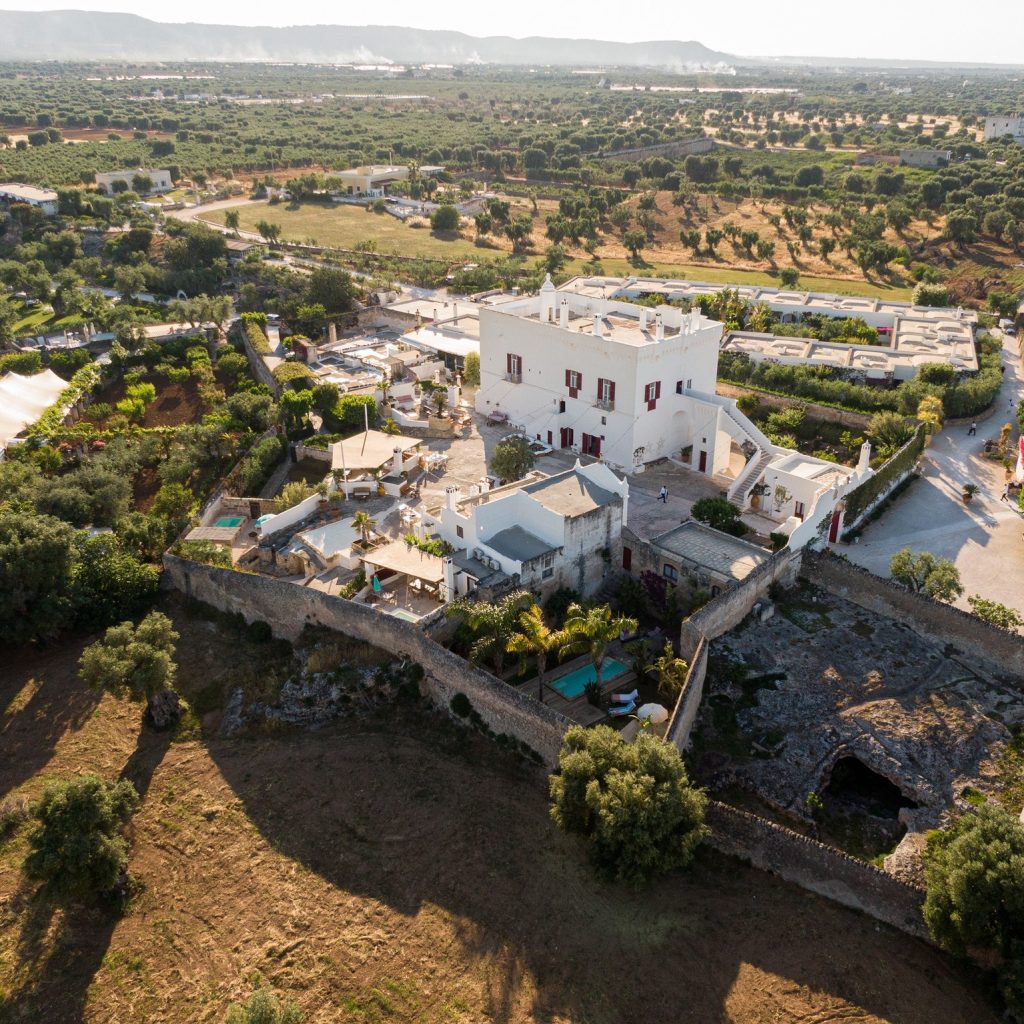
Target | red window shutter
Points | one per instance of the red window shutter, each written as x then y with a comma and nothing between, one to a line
508,362
568,378
611,391
657,390
586,443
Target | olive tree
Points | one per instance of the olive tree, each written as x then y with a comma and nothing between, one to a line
974,873
78,847
138,661
632,803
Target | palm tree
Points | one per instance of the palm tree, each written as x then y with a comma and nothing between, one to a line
364,523
440,399
384,387
590,631
493,625
537,638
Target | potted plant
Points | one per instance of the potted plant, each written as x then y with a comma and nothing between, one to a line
970,490
757,492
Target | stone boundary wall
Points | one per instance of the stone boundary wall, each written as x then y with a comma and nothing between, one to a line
685,713
999,649
820,869
732,606
826,413
259,368
288,608
681,147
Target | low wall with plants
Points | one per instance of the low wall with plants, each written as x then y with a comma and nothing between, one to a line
861,500
493,706
824,413
998,649
688,704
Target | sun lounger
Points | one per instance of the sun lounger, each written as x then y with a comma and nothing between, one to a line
618,710
625,698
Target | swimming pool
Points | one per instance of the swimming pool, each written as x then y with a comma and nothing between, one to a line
228,522
572,684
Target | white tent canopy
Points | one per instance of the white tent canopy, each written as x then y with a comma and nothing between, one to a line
24,399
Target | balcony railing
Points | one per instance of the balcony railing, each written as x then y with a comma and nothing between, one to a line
514,378
608,404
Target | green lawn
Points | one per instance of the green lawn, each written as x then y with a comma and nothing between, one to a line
41,320
344,227
341,226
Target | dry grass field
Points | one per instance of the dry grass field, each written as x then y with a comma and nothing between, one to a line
395,869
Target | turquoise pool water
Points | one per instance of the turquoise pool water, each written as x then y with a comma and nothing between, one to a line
574,683
228,522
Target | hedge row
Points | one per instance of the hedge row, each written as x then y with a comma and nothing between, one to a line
901,463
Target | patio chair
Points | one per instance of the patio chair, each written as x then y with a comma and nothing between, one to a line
618,710
626,698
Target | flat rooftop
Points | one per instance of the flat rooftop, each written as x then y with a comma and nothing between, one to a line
30,193
372,170
708,549
569,494
823,302
519,544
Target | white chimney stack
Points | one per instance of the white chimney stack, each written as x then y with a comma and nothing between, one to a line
598,332
451,496
563,314
643,318
659,327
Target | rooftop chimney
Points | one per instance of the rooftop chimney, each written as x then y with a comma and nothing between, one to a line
659,327
451,496
643,318
563,314
598,332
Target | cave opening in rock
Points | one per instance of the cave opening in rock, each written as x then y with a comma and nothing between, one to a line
854,785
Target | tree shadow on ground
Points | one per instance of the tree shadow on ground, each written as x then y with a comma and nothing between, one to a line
59,950
416,817
39,707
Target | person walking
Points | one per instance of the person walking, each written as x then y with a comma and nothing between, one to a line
1006,493
663,494
973,430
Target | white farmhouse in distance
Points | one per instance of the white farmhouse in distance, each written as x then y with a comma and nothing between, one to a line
160,180
998,127
44,199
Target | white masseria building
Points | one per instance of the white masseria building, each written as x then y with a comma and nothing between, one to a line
631,385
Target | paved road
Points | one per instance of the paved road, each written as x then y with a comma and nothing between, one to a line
984,538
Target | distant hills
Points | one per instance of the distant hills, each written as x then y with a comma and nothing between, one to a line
83,35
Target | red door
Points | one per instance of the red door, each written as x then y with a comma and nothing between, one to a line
595,447
563,437
833,531
549,437
703,462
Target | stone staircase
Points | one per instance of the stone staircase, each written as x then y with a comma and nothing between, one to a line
741,486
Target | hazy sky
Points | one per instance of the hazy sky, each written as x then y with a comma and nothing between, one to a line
983,30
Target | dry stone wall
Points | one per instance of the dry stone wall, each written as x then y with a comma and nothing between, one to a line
816,867
289,608
998,649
